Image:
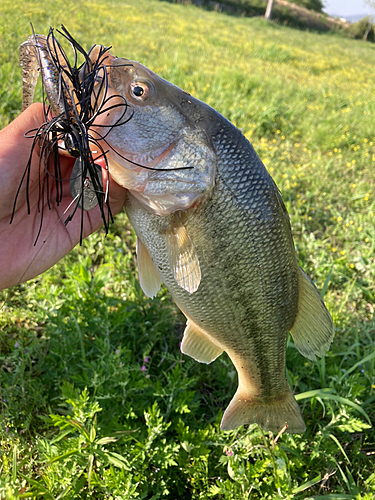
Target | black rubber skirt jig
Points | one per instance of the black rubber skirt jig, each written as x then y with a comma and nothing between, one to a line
75,95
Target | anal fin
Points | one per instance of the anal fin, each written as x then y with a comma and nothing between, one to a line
313,329
149,278
271,414
183,258
197,345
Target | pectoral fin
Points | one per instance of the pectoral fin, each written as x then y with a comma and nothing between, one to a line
183,258
197,345
148,276
313,329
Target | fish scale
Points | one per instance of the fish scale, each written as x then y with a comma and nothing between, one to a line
246,281
248,296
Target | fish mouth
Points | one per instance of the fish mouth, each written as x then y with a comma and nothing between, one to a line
149,160
132,170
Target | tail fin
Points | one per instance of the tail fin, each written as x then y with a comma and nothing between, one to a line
271,415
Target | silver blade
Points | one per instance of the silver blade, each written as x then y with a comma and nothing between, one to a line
89,199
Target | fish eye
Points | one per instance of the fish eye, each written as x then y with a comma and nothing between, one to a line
139,91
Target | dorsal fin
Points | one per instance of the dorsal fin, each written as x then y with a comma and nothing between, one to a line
313,329
149,278
182,257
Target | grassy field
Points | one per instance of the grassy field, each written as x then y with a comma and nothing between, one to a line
96,399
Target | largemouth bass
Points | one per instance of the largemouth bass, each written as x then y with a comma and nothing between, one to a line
212,226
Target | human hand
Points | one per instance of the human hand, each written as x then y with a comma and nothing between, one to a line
17,248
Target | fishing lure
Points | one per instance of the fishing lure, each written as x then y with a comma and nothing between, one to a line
74,98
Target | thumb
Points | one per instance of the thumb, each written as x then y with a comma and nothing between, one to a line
14,153
31,118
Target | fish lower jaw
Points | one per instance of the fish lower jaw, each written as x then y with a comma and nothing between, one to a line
166,204
136,180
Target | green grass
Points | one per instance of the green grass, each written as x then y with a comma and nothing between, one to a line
79,416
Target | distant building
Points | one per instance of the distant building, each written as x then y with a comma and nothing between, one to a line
351,18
